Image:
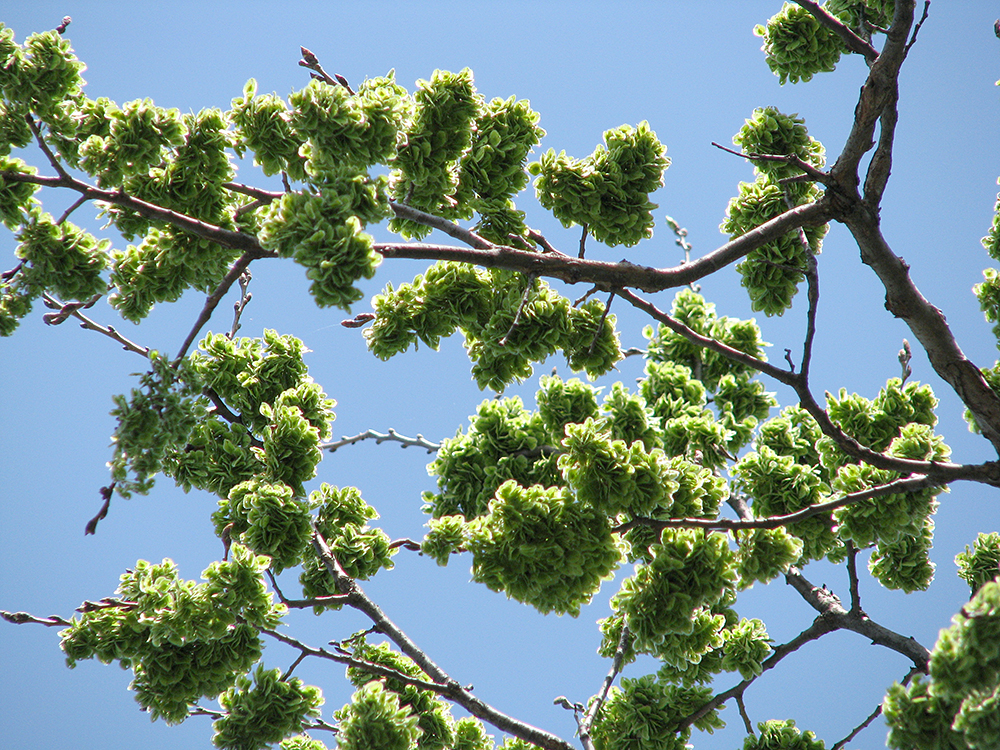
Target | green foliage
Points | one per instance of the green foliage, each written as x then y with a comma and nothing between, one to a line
504,441
955,707
689,569
746,646
264,711
768,131
707,366
263,127
607,192
433,716
61,257
981,563
782,735
137,136
764,554
777,486
15,197
182,640
644,713
153,422
446,536
323,232
41,74
614,477
565,402
374,718
542,547
507,324
772,272
342,520
796,46
492,170
428,151
267,519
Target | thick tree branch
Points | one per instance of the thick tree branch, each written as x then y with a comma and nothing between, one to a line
830,608
606,275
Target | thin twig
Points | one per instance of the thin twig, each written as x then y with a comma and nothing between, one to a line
853,42
852,577
617,662
419,441
908,484
528,289
600,324
817,175
309,60
22,618
72,309
76,204
583,242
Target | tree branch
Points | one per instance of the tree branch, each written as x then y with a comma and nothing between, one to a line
379,438
853,42
606,275
445,685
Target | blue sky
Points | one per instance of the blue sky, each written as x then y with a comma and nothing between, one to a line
694,71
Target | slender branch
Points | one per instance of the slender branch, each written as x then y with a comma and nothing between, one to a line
72,309
617,662
820,627
442,683
528,289
987,473
76,204
872,716
853,42
309,60
237,270
817,175
852,577
22,618
240,305
747,724
450,228
830,608
916,29
379,438
583,242
911,484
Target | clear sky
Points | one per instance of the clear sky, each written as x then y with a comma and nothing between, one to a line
694,71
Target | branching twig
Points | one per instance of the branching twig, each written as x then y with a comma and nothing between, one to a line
22,618
528,289
852,578
309,60
240,305
441,683
72,309
807,168
617,662
235,272
450,228
909,484
419,441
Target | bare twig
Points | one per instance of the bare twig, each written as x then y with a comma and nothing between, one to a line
379,437
240,305
72,309
528,289
22,618
309,60
807,168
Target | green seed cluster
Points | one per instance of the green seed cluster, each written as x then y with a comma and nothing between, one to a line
182,640
608,191
506,324
981,563
542,547
955,705
264,710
